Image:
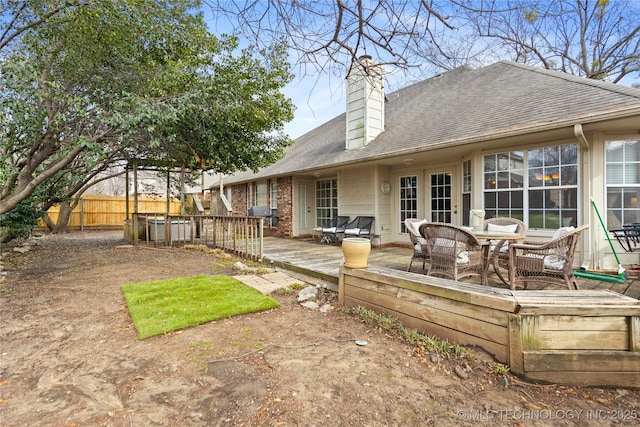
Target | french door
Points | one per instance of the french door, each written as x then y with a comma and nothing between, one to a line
439,198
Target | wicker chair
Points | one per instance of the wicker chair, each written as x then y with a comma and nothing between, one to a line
545,262
419,245
454,252
499,250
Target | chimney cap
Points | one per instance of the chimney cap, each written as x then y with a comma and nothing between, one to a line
365,57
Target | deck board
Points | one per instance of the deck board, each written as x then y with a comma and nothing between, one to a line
310,257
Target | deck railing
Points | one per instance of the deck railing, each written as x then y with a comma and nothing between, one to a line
239,235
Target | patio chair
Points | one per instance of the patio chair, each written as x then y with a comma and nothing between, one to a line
361,226
418,244
454,252
628,236
332,228
545,262
499,249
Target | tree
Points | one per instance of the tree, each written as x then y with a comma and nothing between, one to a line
332,33
66,189
103,80
591,38
596,39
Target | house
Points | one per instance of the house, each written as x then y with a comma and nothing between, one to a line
509,139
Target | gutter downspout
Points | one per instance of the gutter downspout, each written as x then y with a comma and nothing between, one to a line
587,259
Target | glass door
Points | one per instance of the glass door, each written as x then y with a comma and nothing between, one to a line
440,204
408,198
305,208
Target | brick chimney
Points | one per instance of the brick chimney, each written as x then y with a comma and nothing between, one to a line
365,102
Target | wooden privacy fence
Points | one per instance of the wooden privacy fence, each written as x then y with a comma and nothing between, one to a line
240,235
109,211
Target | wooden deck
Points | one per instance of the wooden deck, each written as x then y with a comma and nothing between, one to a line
323,261
588,337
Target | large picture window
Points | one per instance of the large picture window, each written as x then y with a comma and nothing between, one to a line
408,199
326,200
546,199
553,187
623,182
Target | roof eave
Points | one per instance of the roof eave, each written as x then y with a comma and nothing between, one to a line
506,133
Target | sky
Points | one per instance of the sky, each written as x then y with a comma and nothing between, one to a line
317,97
320,97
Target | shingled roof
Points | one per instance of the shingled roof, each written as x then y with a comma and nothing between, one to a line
462,106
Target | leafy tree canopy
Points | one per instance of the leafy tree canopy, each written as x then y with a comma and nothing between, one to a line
86,81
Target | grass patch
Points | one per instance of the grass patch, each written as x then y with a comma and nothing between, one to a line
167,305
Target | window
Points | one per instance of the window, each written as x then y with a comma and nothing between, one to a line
547,199
326,200
466,191
622,182
503,185
553,187
408,199
250,200
273,202
261,194
273,196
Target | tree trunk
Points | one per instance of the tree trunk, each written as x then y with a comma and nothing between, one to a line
60,226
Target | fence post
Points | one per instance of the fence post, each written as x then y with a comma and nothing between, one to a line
81,213
260,240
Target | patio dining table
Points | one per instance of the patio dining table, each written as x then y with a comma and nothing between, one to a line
502,238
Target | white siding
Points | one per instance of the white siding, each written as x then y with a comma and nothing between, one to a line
365,104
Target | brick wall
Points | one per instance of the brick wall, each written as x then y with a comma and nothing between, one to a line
239,199
285,207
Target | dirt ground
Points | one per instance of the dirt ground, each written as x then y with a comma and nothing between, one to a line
70,357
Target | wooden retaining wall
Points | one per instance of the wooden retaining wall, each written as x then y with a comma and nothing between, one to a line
582,338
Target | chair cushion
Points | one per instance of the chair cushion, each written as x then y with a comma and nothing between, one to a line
329,230
420,243
554,262
550,262
414,226
463,258
503,249
562,231
511,228
352,231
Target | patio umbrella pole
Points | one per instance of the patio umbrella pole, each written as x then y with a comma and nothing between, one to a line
622,273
